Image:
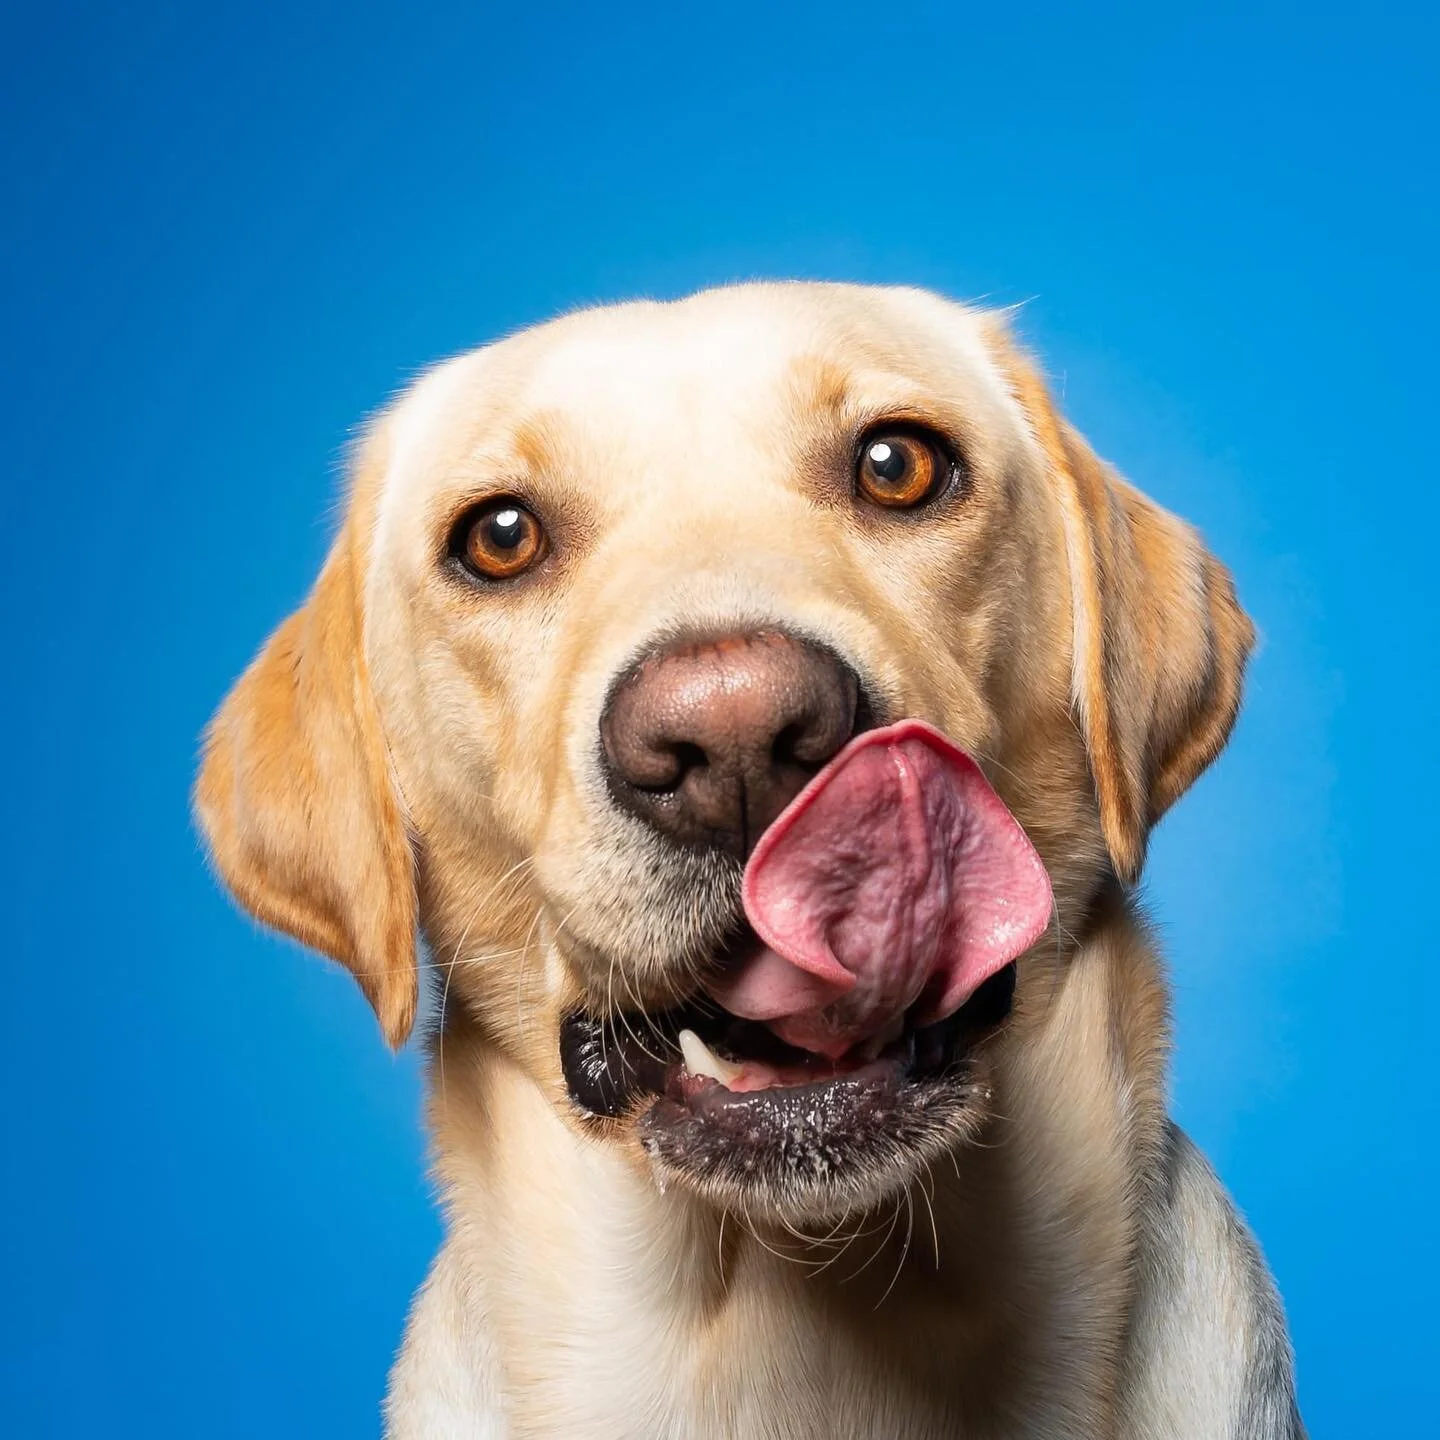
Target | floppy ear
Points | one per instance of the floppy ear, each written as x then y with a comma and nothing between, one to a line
296,801
1160,642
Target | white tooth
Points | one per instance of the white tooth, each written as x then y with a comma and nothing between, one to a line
700,1059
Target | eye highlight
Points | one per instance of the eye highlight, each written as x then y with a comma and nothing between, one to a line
499,540
900,469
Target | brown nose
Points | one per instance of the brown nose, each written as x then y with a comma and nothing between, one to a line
710,741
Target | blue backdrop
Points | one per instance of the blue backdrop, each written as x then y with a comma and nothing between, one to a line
226,234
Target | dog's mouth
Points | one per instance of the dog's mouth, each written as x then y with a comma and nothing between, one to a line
726,1104
699,1056
836,1044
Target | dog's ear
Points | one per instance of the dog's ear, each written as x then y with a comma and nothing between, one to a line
1160,642
296,800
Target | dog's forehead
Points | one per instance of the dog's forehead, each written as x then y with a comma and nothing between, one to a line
696,375
638,366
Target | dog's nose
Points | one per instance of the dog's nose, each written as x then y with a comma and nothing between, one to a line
710,741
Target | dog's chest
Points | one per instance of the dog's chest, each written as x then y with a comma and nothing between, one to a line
663,1384
768,1366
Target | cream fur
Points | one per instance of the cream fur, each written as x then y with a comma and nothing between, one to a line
411,751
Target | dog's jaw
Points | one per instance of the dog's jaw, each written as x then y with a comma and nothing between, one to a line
791,1135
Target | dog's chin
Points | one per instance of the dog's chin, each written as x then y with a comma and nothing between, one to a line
752,1124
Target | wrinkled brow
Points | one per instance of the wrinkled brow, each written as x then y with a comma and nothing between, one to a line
533,442
820,387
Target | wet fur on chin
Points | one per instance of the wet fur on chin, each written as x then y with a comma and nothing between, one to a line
816,1154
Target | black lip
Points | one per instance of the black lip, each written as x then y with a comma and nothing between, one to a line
613,1065
604,1073
828,1141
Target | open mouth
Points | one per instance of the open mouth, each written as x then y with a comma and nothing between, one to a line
733,1107
699,1057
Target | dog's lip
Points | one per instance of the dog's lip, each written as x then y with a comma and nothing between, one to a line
751,1074
620,1066
832,1140
702,1094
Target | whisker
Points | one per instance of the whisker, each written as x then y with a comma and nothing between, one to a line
644,1017
844,1249
928,1191
520,973
879,1249
905,1248
769,1249
444,997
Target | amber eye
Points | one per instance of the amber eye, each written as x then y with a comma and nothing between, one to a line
901,469
500,540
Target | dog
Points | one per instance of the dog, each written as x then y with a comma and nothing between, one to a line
751,712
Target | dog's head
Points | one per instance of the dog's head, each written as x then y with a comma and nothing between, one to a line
659,678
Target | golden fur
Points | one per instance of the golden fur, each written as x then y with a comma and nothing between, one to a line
407,755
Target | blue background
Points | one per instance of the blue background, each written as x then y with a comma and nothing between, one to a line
225,235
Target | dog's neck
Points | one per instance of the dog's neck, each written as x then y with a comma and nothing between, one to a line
603,1296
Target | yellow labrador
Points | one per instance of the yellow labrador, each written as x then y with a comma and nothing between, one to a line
756,706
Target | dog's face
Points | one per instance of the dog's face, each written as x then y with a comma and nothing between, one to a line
612,593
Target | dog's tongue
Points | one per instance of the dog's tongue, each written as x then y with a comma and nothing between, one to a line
896,878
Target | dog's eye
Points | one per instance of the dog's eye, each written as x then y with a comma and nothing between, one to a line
902,468
500,540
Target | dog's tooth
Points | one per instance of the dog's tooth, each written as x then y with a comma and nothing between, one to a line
700,1059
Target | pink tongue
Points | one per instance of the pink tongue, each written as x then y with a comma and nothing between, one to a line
896,876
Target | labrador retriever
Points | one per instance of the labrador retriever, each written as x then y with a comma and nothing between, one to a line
751,712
